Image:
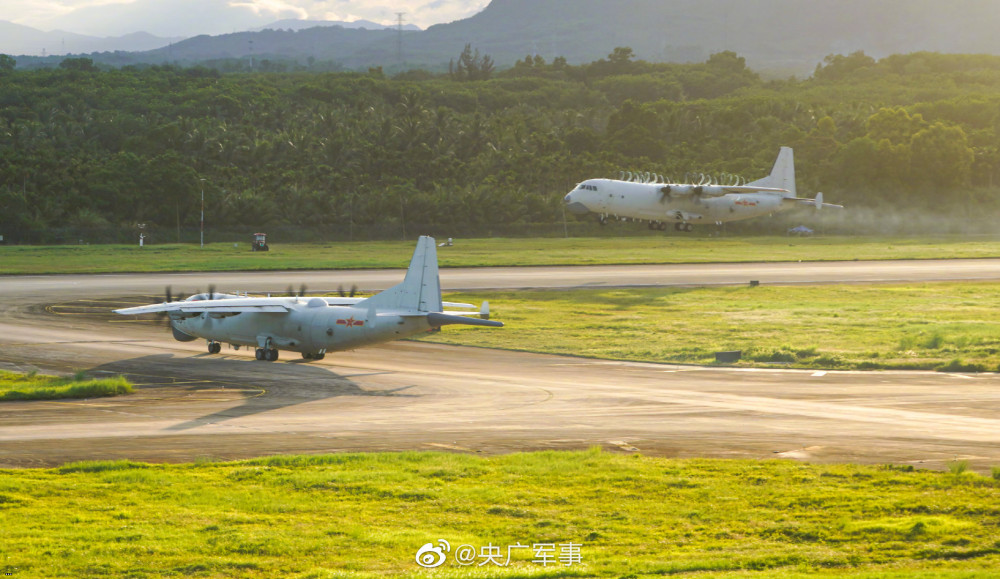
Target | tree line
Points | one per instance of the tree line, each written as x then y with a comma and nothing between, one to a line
477,148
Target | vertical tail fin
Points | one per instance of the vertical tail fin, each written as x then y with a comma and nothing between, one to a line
421,288
782,174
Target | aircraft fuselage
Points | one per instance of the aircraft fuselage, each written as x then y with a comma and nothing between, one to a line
309,325
648,202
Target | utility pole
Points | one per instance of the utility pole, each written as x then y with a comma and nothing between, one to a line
202,213
399,37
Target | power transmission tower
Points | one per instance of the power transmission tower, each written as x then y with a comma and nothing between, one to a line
399,37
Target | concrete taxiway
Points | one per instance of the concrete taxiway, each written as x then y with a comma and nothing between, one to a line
412,395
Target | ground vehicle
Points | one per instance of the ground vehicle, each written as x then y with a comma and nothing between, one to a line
259,242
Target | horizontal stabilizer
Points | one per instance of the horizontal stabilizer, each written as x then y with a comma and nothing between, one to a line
437,319
817,203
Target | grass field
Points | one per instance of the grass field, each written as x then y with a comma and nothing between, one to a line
15,386
953,326
482,252
366,515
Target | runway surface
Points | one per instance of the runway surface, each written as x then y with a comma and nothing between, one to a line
412,395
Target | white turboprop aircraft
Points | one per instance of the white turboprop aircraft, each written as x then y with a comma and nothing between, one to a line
649,198
317,325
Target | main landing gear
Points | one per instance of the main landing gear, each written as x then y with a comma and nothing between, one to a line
214,347
679,226
313,355
269,355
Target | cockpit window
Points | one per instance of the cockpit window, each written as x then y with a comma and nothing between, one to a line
587,187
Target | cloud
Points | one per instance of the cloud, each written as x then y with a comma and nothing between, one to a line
30,11
272,8
193,17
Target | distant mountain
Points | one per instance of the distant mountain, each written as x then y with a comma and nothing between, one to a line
293,24
16,39
792,34
789,36
332,43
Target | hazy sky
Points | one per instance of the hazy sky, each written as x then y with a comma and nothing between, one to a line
192,17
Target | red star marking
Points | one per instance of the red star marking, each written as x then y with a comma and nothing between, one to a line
350,322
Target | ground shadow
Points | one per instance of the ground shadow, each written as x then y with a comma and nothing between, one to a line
263,386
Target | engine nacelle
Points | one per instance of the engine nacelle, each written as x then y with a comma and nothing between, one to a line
181,336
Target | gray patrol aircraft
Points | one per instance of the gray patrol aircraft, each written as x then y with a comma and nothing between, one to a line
314,326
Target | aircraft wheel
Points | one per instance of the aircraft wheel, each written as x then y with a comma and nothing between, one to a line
661,226
679,226
603,220
271,355
260,353
688,227
319,356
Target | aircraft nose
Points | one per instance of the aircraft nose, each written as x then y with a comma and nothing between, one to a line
575,207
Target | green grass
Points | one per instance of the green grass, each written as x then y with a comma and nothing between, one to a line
931,326
15,386
482,252
366,515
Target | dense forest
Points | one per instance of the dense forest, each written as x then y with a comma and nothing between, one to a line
907,142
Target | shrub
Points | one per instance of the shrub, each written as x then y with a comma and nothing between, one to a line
958,467
957,365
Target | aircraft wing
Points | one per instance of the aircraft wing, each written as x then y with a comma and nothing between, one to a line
337,301
751,189
716,190
226,306
342,301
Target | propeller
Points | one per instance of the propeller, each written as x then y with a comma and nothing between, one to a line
164,318
664,193
211,292
290,292
343,294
